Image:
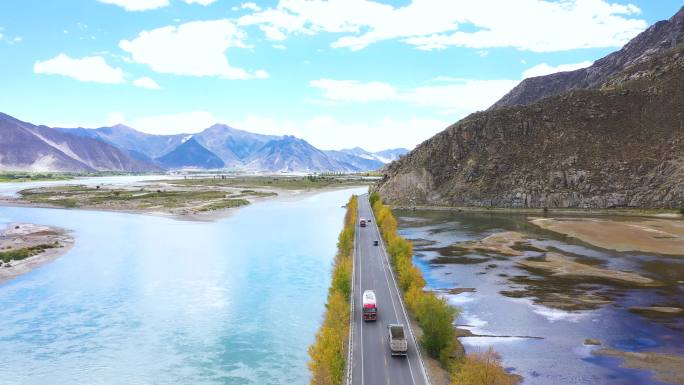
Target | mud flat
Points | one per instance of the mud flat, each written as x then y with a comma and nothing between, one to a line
560,266
500,243
657,311
661,236
667,368
26,246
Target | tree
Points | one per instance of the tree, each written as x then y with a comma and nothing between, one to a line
483,369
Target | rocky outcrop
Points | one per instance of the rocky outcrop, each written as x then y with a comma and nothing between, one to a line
619,145
660,37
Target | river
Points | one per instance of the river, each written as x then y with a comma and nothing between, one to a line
506,300
150,300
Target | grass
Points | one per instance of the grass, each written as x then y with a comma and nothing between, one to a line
19,254
224,204
32,177
81,196
285,182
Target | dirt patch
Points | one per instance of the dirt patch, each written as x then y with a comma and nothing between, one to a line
661,236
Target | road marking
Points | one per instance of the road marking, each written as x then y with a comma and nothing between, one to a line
385,266
358,228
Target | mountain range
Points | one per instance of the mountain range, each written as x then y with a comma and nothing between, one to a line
609,135
24,146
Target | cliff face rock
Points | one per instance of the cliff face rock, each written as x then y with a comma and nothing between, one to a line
660,37
619,145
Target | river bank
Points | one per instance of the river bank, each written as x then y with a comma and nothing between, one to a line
27,246
202,199
612,212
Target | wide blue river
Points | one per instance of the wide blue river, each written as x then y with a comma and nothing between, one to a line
150,300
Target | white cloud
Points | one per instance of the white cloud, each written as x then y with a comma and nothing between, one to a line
137,5
146,82
114,118
200,2
196,49
326,132
250,5
533,25
354,91
87,69
280,47
180,123
545,69
458,96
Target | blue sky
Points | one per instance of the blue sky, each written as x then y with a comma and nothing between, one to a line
337,73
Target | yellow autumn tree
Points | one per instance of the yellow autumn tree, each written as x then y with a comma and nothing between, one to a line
329,351
483,369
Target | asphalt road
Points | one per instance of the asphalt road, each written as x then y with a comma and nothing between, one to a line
371,362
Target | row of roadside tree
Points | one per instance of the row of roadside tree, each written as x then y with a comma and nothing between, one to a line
329,351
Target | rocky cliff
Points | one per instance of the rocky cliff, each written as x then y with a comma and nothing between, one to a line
620,144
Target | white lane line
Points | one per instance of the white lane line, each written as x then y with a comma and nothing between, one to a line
358,256
385,266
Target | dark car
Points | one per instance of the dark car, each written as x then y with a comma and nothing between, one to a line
375,243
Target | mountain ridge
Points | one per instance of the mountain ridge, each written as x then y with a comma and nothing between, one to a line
191,154
24,146
617,144
237,149
659,37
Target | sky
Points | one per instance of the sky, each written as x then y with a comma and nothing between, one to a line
338,73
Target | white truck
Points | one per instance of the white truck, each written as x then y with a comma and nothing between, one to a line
397,340
370,307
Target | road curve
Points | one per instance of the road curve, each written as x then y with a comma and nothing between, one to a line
371,362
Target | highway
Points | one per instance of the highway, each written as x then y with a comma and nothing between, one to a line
371,362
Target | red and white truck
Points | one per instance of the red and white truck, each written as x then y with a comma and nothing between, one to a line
370,307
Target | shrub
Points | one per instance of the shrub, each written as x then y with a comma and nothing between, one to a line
373,197
483,369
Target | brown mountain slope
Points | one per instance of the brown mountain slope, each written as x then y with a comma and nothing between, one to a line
658,38
618,146
24,146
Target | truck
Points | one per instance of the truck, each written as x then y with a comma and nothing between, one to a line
362,222
370,308
397,340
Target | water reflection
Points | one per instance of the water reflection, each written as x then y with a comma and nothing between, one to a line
510,303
